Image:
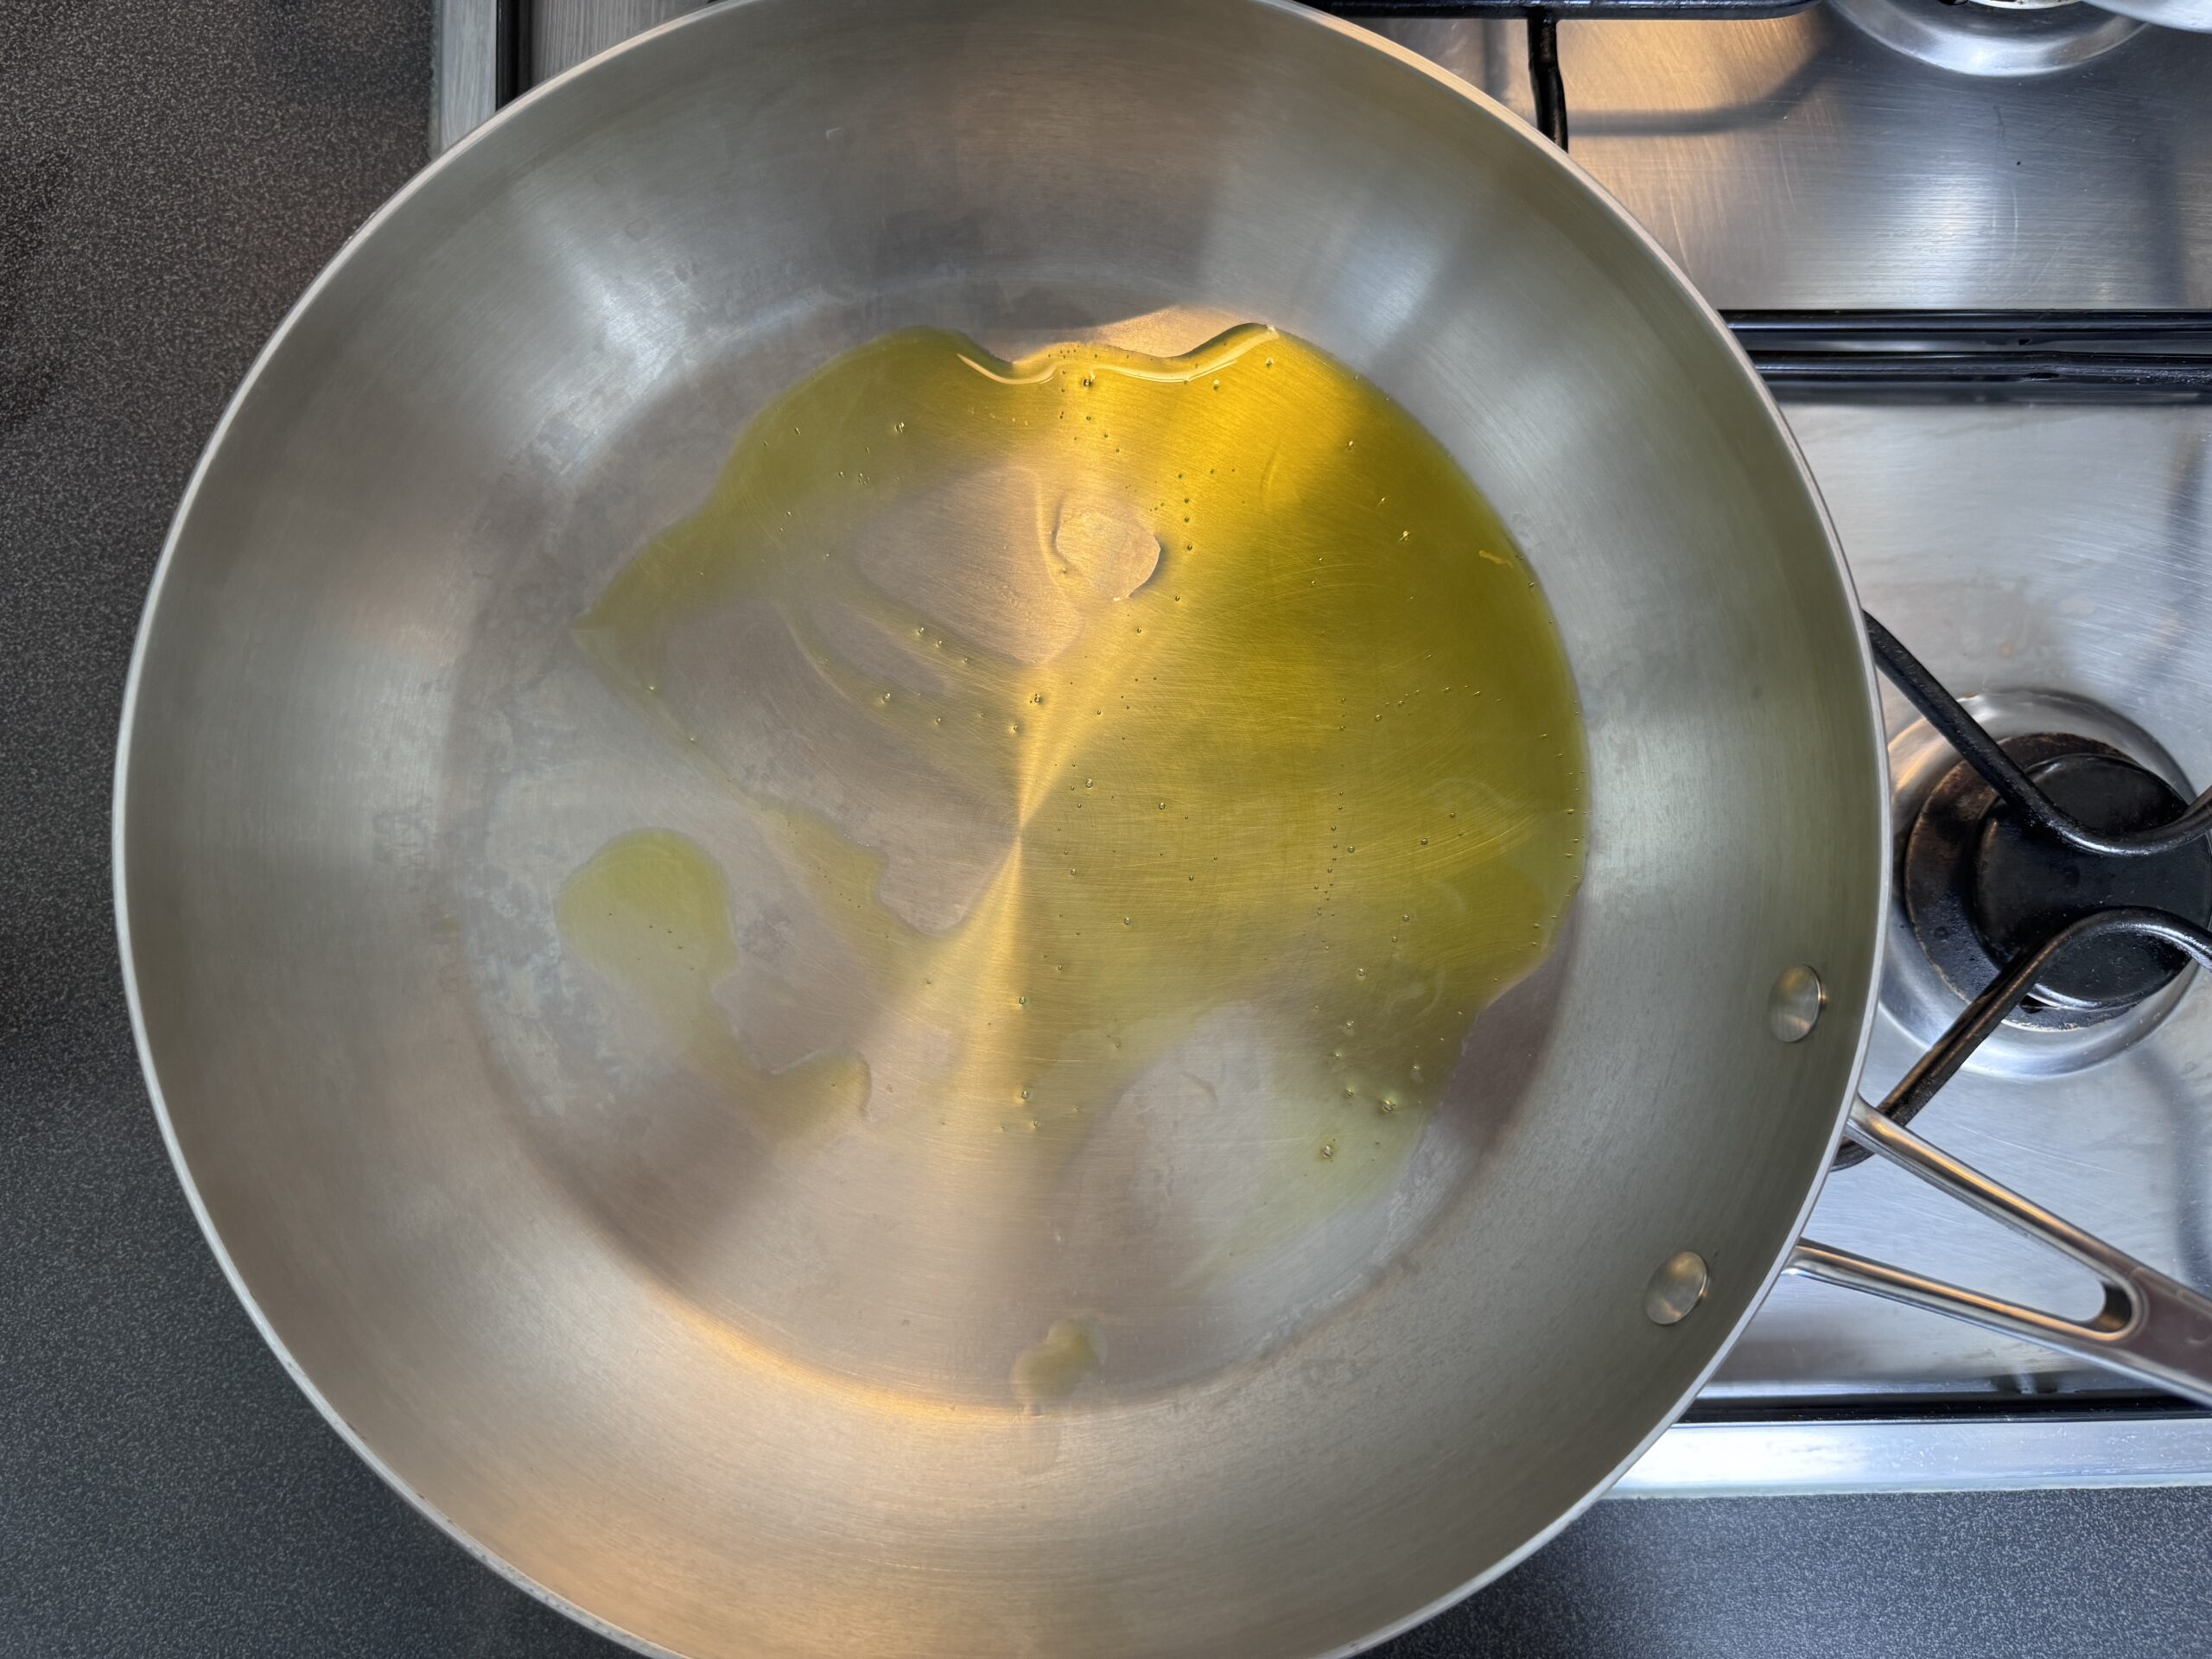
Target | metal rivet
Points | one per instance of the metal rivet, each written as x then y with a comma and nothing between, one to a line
1794,1007
1677,1286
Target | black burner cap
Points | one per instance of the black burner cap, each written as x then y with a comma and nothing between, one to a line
2023,885
1980,887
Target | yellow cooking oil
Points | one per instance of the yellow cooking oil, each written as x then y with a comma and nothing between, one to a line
1134,695
1049,1370
651,911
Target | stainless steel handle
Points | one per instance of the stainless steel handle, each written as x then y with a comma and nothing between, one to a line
2150,1326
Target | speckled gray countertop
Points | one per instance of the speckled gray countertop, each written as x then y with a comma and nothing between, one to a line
171,176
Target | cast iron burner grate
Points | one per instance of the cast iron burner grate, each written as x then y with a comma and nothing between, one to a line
2051,880
1981,885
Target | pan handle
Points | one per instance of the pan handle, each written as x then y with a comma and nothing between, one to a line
2150,1326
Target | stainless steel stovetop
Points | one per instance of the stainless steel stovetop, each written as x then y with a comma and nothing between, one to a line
2041,541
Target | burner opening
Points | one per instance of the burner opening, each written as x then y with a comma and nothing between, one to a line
1979,886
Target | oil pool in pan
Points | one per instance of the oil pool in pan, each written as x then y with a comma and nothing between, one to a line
1188,682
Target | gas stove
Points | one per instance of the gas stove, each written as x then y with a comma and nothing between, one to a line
1970,247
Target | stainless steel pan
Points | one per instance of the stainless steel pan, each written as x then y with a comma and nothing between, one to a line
716,1404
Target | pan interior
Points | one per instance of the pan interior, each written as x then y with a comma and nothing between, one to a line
1073,809
364,748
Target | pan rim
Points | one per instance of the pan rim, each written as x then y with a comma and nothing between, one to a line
1296,14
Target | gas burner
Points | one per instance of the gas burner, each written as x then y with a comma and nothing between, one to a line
1981,887
2009,38
1977,889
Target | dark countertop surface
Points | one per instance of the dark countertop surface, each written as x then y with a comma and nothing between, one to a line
171,176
